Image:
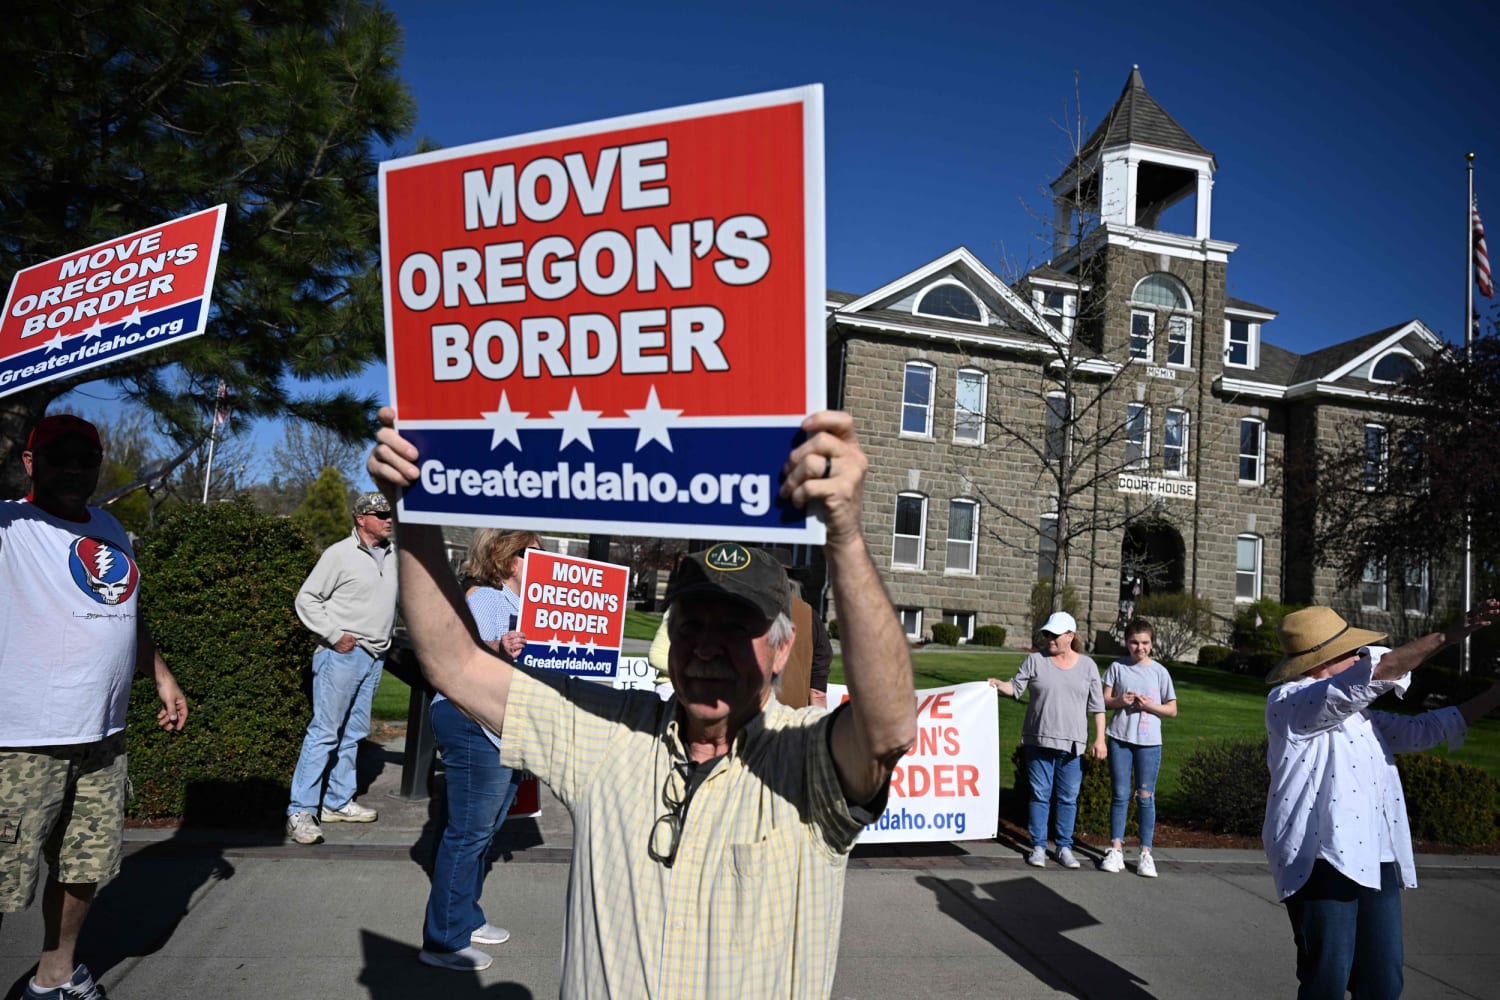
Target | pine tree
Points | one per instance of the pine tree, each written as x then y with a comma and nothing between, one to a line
122,116
324,514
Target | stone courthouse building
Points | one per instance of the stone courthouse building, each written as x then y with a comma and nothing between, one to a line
1191,432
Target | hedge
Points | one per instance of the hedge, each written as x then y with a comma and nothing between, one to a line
945,634
1224,784
988,635
218,582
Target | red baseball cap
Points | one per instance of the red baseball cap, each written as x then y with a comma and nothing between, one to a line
61,425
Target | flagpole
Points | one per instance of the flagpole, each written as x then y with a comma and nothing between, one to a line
1468,593
208,473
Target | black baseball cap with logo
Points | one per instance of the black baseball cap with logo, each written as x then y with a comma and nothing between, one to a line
742,573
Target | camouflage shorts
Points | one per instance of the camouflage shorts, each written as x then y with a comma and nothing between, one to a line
65,803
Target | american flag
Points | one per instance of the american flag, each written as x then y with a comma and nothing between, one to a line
221,407
1481,255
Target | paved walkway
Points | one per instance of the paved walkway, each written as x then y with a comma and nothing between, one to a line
244,915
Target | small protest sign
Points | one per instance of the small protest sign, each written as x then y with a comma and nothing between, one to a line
573,614
107,302
615,327
947,787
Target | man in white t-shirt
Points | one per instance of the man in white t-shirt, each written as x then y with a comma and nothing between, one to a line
71,641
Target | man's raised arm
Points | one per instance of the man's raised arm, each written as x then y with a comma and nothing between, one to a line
880,724
442,633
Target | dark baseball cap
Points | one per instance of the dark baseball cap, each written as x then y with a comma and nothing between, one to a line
741,573
61,425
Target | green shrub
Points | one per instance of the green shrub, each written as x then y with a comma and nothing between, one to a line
1224,785
1447,801
945,634
988,635
1213,656
1179,621
218,585
1040,603
1250,638
833,628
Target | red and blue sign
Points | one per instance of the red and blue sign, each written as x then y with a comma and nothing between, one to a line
110,301
614,327
572,614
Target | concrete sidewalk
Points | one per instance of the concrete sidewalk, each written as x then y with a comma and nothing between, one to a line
246,915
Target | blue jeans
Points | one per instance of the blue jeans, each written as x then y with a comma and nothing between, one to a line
1054,774
343,690
1147,763
1347,935
480,792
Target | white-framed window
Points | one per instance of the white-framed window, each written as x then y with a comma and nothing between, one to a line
1392,368
1056,307
950,300
1247,564
1046,550
1372,591
1252,451
1174,443
911,621
916,399
1161,290
1179,341
1056,432
970,394
964,620
1241,343
1416,592
963,536
910,541
1142,336
1137,435
1377,457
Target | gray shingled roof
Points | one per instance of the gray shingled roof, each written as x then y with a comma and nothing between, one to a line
1319,364
1047,272
1230,302
1136,117
1277,366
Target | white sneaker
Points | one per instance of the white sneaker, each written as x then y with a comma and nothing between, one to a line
489,934
1146,867
1037,858
1114,861
1066,859
462,960
303,828
350,812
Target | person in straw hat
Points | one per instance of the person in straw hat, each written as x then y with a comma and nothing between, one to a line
1336,832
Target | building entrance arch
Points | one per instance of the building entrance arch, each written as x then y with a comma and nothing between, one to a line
1152,561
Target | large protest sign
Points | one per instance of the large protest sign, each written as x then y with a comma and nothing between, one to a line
573,614
947,787
613,327
109,301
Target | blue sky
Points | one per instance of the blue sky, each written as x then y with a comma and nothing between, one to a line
1340,129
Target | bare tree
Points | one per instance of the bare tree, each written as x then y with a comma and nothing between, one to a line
307,449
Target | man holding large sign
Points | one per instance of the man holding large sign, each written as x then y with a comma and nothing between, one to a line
615,327
711,830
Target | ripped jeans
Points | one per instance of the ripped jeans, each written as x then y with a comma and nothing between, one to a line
1146,760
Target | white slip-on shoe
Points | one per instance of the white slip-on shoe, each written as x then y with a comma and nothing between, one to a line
462,960
1066,859
1037,858
488,933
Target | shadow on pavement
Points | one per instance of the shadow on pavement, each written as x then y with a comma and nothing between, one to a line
1027,921
392,972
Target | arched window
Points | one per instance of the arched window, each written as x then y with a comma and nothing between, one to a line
950,301
1394,367
1162,291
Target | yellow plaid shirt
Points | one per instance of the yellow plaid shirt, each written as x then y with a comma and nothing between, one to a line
752,903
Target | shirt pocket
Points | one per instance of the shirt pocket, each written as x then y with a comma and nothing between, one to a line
759,893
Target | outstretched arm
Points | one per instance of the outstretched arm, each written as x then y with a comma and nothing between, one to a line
881,721
1404,659
442,634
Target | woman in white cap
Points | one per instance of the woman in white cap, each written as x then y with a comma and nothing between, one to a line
1065,690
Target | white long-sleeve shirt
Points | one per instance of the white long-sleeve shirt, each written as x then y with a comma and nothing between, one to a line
1335,793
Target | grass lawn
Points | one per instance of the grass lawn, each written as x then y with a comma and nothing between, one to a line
1213,704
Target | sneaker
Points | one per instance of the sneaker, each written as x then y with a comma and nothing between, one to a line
303,828
1114,861
489,934
1066,859
1037,858
350,812
462,960
1146,867
80,987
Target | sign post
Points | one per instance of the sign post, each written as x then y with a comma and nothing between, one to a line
614,327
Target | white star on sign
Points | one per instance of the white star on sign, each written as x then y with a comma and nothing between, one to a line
97,330
653,423
572,645
575,422
134,319
55,344
553,644
590,647
505,422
